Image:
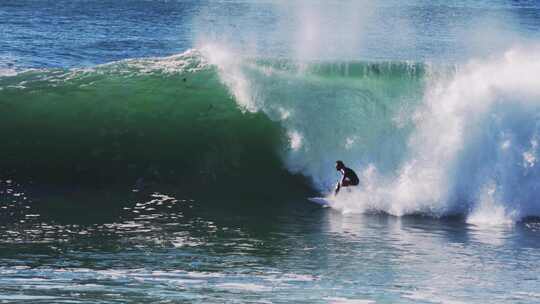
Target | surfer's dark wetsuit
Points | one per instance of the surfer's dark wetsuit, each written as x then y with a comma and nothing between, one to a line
349,176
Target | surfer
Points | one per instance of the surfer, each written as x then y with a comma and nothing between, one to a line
349,177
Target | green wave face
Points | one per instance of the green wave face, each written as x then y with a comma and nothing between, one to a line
176,122
359,112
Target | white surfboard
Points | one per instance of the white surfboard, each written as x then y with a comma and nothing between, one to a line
322,201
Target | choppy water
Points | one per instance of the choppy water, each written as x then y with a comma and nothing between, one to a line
163,151
165,250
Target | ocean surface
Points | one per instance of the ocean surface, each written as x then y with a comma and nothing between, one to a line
165,151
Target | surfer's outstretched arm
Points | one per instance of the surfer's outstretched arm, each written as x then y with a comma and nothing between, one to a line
338,186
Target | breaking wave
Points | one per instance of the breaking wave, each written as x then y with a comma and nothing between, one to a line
425,138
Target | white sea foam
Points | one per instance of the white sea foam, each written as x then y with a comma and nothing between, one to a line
295,140
349,301
243,287
474,147
7,72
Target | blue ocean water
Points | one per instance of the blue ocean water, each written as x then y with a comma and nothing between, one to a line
164,151
84,33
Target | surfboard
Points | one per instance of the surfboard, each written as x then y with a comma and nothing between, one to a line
321,201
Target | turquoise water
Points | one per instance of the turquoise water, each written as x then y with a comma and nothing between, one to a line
164,151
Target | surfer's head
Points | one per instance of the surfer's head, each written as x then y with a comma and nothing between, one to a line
339,165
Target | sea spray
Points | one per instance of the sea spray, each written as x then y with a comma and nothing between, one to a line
473,149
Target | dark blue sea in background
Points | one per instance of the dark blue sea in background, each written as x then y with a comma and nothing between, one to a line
79,33
164,151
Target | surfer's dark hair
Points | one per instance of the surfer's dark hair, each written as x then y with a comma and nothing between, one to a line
340,163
